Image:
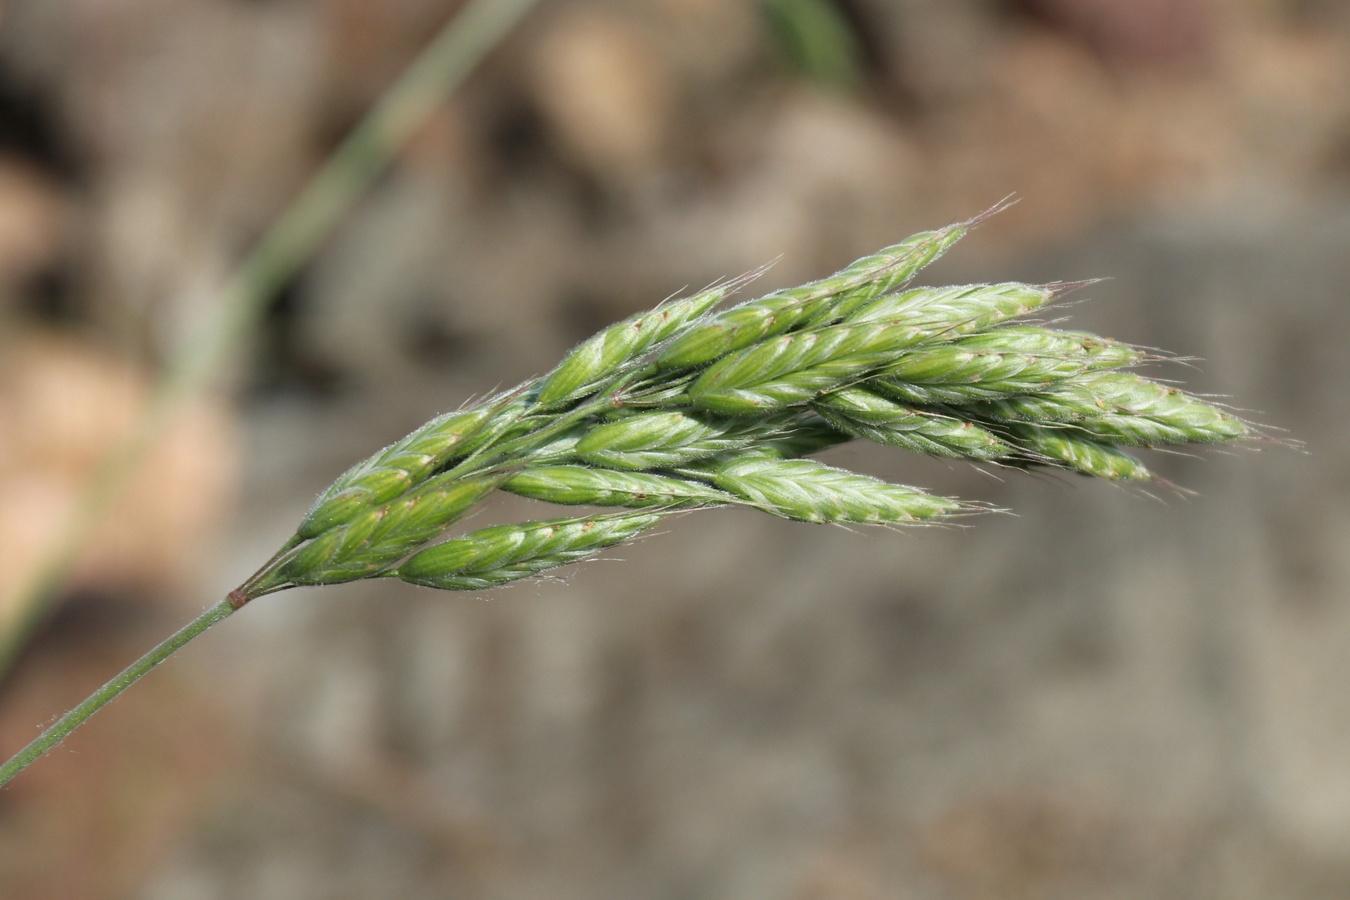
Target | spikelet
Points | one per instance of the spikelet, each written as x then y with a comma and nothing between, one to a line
945,312
373,540
794,368
1004,362
583,485
1069,448
661,440
819,302
864,414
495,556
1122,408
393,470
809,491
598,358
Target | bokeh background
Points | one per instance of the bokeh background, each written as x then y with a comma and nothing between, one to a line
1105,695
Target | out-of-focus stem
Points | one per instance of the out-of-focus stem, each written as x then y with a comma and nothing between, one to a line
286,246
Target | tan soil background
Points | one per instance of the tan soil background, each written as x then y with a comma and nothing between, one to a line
1103,696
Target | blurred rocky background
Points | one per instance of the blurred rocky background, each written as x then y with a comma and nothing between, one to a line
1103,696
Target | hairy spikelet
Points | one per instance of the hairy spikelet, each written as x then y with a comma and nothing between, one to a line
867,415
495,556
393,470
1069,448
792,369
819,302
583,485
906,258
601,357
1070,402
1004,362
949,311
1122,408
808,491
661,440
373,540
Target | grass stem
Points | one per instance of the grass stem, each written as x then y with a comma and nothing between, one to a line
280,254
104,695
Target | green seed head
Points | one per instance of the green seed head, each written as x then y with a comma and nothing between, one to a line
681,407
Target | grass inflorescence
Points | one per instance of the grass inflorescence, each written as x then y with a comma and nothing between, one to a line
695,404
